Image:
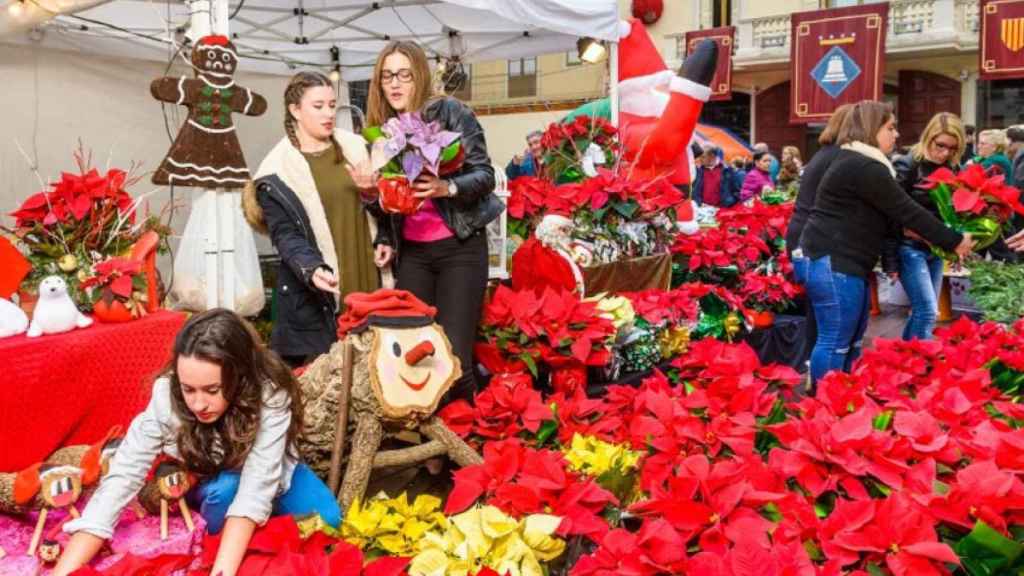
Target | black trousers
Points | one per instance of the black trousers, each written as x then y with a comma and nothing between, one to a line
450,274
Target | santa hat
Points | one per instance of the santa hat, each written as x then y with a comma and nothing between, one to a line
392,308
641,69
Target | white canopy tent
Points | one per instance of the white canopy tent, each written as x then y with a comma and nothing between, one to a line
276,36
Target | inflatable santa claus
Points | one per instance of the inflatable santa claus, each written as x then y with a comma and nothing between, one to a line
658,108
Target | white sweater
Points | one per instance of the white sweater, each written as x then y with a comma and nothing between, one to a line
266,473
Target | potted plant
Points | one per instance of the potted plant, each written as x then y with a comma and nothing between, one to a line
117,290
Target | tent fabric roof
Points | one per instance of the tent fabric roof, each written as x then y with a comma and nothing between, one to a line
274,33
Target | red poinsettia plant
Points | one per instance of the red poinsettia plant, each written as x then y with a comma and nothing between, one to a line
81,215
572,149
117,281
554,327
767,292
973,202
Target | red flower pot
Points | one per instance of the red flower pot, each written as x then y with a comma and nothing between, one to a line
762,319
116,311
396,196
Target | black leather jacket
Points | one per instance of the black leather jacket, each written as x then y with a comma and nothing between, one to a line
475,205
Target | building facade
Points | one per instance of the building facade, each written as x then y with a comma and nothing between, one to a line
931,65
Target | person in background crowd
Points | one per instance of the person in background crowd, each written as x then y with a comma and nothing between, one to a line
856,200
530,162
970,130
739,164
792,168
774,168
758,178
919,270
716,182
992,153
1015,151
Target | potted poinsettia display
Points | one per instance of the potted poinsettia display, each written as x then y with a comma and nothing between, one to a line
765,294
405,147
574,149
117,290
975,203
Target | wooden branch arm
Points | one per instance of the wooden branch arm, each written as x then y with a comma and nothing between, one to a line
342,425
458,451
410,455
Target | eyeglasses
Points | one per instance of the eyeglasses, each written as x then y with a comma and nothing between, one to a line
404,76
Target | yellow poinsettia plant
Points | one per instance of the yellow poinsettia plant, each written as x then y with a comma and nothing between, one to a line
393,526
614,466
486,537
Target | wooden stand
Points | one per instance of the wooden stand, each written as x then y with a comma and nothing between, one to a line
946,301
186,514
163,519
342,427
873,287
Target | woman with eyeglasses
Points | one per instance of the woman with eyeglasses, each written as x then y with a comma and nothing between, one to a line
439,252
920,271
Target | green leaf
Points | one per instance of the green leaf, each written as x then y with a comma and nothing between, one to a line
451,151
627,208
987,552
546,431
530,364
372,133
875,570
771,512
883,420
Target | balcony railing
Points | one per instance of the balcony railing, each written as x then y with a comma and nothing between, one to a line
913,25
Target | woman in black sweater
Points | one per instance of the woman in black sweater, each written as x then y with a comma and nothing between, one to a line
808,190
858,201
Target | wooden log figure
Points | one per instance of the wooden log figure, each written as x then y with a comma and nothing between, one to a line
172,483
401,365
58,486
206,152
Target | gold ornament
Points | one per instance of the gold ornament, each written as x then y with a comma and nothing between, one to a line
673,342
732,324
68,263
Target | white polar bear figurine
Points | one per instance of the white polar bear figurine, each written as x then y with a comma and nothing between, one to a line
55,311
13,320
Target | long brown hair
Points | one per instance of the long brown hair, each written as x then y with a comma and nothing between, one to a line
829,135
293,94
247,367
864,121
378,110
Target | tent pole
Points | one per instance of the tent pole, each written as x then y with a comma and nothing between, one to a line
613,82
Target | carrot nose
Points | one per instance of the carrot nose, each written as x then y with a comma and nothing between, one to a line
419,352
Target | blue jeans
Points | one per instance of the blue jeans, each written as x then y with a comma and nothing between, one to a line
921,277
841,304
306,495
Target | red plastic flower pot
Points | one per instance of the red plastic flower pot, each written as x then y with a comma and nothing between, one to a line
396,196
116,311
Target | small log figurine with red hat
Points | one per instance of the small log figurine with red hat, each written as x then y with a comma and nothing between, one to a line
168,485
206,152
395,363
58,486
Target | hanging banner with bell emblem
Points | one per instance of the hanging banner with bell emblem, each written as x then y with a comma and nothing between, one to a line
1001,54
838,57
724,37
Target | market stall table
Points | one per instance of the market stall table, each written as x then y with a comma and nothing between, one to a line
65,389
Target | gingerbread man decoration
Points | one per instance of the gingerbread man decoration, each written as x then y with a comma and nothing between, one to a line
206,152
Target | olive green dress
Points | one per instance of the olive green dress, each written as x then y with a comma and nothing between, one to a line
347,221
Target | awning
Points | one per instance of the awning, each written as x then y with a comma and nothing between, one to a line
279,35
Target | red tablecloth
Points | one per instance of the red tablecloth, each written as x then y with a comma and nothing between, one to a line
70,388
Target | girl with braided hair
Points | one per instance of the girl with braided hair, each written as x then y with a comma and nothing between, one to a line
307,198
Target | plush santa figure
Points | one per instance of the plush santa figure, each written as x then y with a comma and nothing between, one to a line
658,109
546,259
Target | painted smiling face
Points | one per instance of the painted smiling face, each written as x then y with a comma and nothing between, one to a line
172,481
49,551
411,369
60,486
